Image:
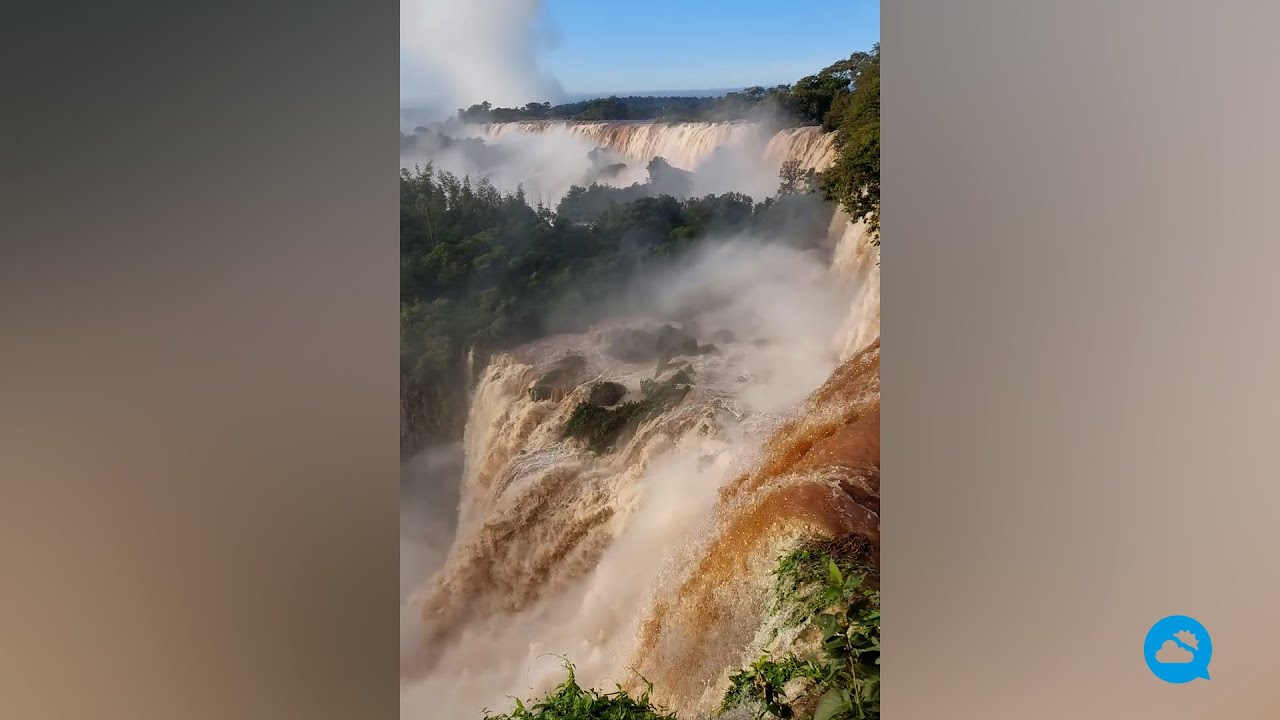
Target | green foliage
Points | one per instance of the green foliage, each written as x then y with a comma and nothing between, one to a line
763,682
606,393
661,395
732,106
796,179
843,682
599,426
851,641
802,581
571,702
854,179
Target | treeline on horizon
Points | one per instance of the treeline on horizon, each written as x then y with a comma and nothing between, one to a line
811,100
483,271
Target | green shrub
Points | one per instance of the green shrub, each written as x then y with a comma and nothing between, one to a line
763,683
571,702
800,582
844,680
597,425
606,393
600,426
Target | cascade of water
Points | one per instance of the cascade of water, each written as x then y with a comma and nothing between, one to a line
818,477
656,556
685,145
857,263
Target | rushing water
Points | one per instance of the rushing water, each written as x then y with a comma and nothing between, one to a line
685,145
656,556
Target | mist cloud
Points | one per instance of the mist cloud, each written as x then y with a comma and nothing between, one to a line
454,53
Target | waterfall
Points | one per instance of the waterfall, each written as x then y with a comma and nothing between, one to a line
818,477
813,148
684,144
547,157
857,263
725,156
560,550
656,555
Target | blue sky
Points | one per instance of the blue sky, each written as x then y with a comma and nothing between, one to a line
621,45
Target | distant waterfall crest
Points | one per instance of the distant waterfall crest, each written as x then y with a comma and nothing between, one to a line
686,145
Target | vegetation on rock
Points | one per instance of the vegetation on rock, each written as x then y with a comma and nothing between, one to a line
854,179
599,427
841,681
833,583
606,393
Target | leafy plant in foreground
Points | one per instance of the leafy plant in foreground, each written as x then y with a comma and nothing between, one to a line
845,679
801,588
569,701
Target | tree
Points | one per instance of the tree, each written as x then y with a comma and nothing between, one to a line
796,179
854,179
669,180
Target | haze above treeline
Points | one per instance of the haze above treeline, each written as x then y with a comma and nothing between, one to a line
805,102
573,97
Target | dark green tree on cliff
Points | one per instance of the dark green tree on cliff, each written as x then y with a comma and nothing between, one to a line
854,179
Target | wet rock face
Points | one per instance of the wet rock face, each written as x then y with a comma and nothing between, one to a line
561,377
539,393
606,393
723,336
637,345
677,375
563,371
